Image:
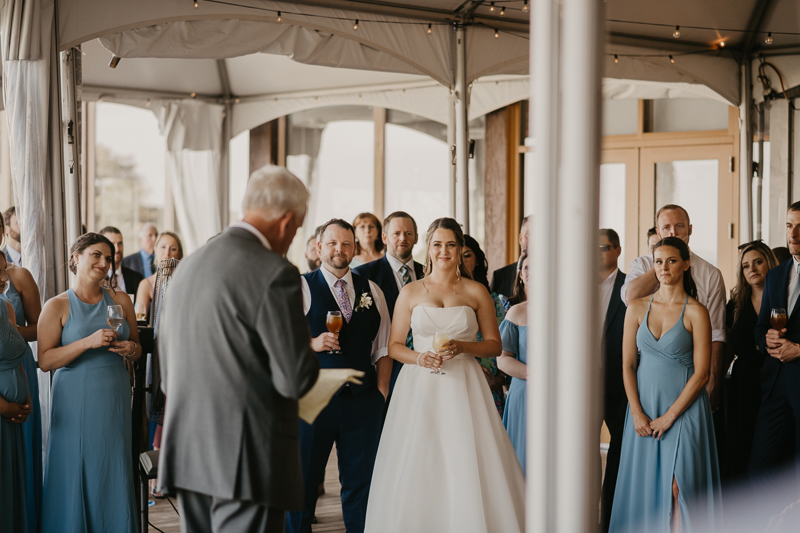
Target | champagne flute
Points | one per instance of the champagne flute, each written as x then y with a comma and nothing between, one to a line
440,338
334,324
114,317
141,311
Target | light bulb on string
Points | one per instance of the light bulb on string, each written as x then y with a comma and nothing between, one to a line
236,100
677,32
193,95
671,59
722,44
429,29
768,40
616,58
491,7
502,11
147,104
525,6
195,4
279,16
496,33
355,26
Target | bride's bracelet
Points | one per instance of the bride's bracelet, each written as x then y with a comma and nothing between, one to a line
420,355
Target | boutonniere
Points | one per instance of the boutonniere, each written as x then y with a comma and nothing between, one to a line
364,302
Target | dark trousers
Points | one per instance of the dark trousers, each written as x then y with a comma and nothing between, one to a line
202,513
614,415
353,422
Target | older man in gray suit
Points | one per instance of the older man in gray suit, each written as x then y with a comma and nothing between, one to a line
235,357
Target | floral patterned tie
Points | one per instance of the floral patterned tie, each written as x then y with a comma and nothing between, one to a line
343,300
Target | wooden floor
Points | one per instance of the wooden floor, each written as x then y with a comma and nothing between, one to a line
329,507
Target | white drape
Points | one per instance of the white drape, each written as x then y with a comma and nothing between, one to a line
194,139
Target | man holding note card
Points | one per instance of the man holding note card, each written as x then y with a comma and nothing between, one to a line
350,326
235,358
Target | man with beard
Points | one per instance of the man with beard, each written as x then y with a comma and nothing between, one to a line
123,279
353,417
396,269
311,255
13,247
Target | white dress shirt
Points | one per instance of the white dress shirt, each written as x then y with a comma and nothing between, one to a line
252,229
606,287
14,256
397,265
710,289
794,279
380,345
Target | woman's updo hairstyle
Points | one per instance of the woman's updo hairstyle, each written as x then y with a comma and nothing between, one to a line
683,250
455,227
83,242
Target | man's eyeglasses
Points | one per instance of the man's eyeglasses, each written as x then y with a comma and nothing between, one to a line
606,247
745,245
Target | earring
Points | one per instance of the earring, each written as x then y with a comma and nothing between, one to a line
458,270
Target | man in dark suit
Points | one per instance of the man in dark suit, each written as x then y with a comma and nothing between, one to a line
353,417
396,269
503,278
778,421
143,261
612,313
123,279
235,358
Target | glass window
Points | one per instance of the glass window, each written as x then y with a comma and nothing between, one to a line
612,201
130,169
694,186
688,114
620,117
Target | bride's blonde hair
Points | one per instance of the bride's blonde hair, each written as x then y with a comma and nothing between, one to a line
452,225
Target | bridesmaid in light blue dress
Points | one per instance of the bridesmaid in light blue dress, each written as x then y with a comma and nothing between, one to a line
669,475
13,390
32,428
89,483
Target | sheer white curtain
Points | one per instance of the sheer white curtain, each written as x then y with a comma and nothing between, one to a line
194,141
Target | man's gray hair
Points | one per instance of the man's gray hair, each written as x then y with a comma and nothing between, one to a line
274,191
146,226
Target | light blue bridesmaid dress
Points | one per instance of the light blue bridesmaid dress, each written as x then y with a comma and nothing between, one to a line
88,481
13,389
515,340
686,452
32,428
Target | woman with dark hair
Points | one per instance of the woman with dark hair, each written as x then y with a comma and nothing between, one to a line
88,481
744,392
476,264
669,479
369,242
23,295
518,296
444,462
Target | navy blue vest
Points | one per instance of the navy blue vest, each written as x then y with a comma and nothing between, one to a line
355,337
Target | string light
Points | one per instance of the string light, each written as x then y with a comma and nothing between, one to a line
496,33
616,58
525,6
279,16
192,95
355,26
677,32
722,44
236,100
502,11
491,7
429,29
768,40
671,59
195,4
147,104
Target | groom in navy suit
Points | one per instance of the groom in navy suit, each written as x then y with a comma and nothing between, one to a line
778,420
396,269
353,418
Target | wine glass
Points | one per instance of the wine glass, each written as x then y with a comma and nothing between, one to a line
141,311
334,324
440,338
777,318
114,317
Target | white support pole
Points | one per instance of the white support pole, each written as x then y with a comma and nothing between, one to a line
70,141
564,399
544,54
451,143
224,167
746,151
462,132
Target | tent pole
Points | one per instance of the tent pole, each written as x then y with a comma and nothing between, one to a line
224,167
462,131
451,142
69,144
746,147
543,125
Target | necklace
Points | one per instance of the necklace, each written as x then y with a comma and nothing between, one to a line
663,301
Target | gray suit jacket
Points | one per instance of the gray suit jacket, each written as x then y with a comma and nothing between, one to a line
235,357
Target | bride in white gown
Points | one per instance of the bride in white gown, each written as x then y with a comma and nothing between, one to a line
445,463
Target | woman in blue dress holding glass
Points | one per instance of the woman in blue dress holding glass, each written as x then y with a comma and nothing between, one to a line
84,333
669,475
513,361
15,407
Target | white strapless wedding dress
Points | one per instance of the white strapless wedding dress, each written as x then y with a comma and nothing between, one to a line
445,463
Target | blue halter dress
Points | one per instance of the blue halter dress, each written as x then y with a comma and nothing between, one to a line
88,481
13,389
686,452
32,428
